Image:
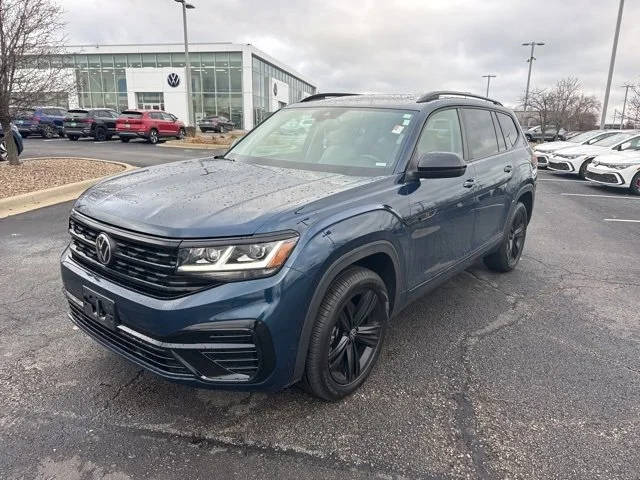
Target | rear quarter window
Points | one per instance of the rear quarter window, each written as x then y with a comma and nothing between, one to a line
509,129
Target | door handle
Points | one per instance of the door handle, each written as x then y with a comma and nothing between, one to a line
508,169
469,183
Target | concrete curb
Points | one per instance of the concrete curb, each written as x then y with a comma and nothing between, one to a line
52,196
195,146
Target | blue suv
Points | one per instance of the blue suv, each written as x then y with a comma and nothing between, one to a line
43,121
284,260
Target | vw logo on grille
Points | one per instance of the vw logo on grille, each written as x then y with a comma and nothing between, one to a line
103,248
173,80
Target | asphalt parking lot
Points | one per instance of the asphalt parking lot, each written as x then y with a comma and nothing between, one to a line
531,374
137,152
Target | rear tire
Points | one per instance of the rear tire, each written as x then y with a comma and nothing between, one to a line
181,134
635,184
506,257
47,132
124,139
73,138
4,154
347,335
153,137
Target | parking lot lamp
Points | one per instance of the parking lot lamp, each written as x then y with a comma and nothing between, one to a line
612,63
488,77
530,60
185,6
624,104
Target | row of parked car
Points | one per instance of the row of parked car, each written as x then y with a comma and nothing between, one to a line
607,157
104,123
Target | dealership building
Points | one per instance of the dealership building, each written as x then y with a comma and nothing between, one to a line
237,81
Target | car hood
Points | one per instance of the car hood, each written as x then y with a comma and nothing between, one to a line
619,157
585,150
553,146
210,198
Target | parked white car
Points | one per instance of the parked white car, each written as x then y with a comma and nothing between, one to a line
618,169
576,159
543,150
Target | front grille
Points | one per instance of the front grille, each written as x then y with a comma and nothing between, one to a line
602,177
155,358
144,266
542,160
558,166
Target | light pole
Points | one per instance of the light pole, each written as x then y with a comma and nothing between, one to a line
185,6
488,77
532,44
611,65
626,87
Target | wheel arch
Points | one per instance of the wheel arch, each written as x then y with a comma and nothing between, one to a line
380,256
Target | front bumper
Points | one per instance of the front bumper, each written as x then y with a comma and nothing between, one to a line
606,176
560,164
543,159
241,336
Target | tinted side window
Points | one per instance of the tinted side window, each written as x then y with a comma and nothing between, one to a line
168,117
502,146
441,133
509,129
156,115
481,135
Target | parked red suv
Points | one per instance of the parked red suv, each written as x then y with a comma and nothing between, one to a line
149,124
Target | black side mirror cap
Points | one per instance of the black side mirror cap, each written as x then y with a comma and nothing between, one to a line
441,165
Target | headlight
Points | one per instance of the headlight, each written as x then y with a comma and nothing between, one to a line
237,260
570,156
620,166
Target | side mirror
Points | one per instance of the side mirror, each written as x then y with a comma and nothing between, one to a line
441,165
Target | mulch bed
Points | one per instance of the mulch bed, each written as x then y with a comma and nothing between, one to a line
33,175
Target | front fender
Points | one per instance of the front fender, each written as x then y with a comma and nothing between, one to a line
340,245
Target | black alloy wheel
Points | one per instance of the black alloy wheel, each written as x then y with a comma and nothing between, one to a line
73,138
348,334
153,136
508,254
124,139
101,134
181,134
4,154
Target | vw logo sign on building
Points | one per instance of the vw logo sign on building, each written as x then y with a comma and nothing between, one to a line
103,248
173,80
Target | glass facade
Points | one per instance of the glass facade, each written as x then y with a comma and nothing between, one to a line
216,79
262,72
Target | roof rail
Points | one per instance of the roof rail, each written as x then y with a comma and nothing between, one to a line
431,96
323,96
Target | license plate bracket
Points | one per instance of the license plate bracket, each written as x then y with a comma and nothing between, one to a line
99,308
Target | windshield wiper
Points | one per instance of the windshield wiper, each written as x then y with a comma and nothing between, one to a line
222,157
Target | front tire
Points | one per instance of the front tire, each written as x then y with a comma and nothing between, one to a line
181,134
583,169
47,132
101,135
348,333
635,184
73,138
506,257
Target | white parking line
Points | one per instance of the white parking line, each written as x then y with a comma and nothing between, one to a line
620,220
619,197
54,139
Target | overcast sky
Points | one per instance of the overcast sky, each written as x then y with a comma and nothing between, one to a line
394,46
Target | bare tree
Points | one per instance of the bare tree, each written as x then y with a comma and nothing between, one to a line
564,106
31,35
633,106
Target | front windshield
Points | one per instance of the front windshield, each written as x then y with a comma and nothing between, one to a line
581,138
355,141
613,139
